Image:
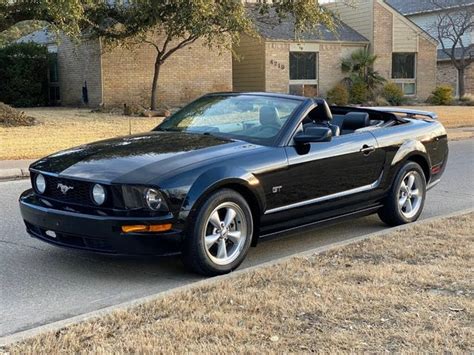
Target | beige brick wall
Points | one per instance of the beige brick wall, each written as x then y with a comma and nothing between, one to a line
79,63
446,73
330,57
277,68
186,74
382,41
469,80
329,69
425,68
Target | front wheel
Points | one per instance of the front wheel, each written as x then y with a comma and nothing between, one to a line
406,199
220,235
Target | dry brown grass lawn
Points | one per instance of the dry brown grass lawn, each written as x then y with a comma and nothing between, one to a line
62,128
407,291
451,116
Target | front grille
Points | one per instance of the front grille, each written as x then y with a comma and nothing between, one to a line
79,192
71,241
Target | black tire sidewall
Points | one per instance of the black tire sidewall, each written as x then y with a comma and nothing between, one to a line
194,252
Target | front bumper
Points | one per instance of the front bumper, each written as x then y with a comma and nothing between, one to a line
95,232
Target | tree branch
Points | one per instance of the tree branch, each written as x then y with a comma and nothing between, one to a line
180,45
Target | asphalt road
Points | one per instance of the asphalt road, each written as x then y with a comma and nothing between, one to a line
42,283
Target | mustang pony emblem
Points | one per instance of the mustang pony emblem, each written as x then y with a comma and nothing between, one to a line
64,188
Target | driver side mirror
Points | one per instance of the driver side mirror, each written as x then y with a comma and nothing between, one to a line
314,135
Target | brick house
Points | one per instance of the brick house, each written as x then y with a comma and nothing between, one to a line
122,76
425,14
113,77
406,53
275,62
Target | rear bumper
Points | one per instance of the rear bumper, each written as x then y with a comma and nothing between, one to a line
96,233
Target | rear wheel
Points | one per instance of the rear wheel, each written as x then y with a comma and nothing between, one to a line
218,240
406,198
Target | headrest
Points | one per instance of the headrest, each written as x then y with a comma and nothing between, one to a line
269,116
322,112
355,120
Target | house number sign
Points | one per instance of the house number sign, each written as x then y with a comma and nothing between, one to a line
277,64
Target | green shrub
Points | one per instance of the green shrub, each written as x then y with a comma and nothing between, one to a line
24,74
442,95
393,94
338,95
359,93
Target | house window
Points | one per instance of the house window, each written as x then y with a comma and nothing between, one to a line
303,65
304,73
53,68
404,72
53,80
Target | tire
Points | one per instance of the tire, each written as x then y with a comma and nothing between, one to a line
403,205
212,245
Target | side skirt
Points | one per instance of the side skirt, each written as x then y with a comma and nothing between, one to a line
326,221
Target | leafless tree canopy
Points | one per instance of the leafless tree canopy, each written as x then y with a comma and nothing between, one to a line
452,24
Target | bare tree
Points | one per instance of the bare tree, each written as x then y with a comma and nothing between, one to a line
452,24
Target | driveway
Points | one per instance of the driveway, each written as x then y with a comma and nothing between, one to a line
41,283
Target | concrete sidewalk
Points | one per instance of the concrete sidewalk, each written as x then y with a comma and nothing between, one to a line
15,169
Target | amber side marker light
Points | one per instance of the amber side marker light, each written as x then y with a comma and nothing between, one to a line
147,228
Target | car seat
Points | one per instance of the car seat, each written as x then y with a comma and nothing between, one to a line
269,117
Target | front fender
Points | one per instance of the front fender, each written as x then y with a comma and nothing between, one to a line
217,177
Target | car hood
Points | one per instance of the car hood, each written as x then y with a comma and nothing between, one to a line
142,156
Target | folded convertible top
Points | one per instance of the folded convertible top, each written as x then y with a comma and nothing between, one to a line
408,112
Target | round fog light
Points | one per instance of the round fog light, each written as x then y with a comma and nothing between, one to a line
40,183
98,194
153,199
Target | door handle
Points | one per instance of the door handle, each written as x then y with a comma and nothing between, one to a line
367,149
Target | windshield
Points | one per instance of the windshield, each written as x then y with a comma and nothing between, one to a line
257,119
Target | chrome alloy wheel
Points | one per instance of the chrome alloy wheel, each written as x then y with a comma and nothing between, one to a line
410,195
225,233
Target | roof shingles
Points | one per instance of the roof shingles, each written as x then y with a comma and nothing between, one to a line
271,27
411,7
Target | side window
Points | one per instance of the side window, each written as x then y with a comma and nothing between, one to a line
404,72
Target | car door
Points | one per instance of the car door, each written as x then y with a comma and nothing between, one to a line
324,171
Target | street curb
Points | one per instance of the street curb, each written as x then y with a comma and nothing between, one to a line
14,173
55,326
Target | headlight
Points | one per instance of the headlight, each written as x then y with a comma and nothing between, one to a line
40,183
142,197
98,194
153,199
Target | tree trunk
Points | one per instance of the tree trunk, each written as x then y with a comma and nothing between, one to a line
154,87
461,87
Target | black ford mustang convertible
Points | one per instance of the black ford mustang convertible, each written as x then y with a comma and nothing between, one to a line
231,168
